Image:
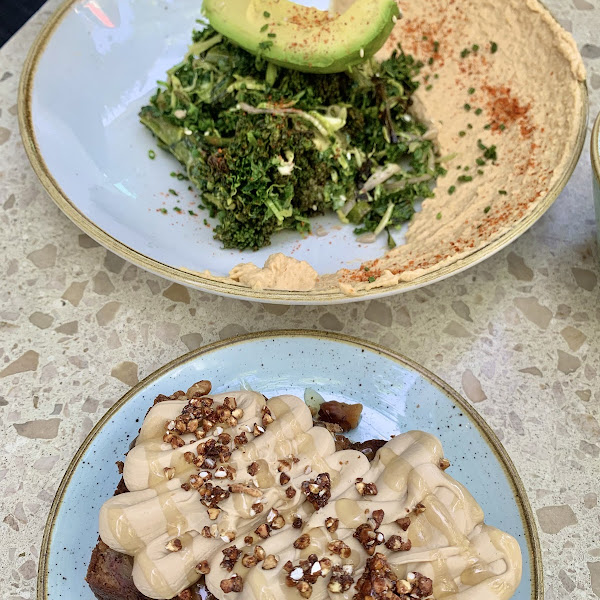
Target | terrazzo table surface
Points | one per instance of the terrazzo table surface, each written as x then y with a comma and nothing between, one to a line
518,335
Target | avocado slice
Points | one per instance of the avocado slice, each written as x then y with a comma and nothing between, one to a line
305,38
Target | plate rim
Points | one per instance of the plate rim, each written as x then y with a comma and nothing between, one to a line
518,488
231,289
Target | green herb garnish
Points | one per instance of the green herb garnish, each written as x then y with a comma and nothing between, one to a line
151,154
493,47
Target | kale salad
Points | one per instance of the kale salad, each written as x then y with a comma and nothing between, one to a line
270,147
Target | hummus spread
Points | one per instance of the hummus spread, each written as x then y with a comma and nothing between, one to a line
486,82
278,495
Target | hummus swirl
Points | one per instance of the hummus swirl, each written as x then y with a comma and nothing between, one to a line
465,558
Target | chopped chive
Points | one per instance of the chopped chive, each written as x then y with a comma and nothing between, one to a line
493,47
465,53
488,126
471,91
462,133
465,178
475,47
502,127
478,111
205,222
502,192
177,209
271,35
425,37
371,279
191,212
479,172
428,87
151,154
438,216
467,106
172,191
487,209
163,211
451,189
264,27
469,126
436,76
266,14
367,269
466,168
430,61
480,162
436,46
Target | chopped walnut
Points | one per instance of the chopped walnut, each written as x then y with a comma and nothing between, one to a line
297,523
230,403
304,588
257,507
290,492
169,472
185,595
206,532
403,523
419,508
365,489
189,457
233,584
257,430
340,547
397,544
270,562
120,466
302,542
368,537
252,469
174,545
230,557
263,531
278,522
341,579
248,540
318,490
249,560
203,567
224,438
331,524
284,478
213,513
259,553
444,464
241,439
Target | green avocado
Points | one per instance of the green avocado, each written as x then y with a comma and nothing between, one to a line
305,38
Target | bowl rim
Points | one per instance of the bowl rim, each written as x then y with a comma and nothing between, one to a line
528,520
594,149
229,288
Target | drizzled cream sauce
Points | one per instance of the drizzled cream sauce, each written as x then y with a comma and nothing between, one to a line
465,558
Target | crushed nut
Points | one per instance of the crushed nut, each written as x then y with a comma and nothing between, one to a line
365,489
397,544
444,464
257,430
185,595
257,508
278,522
331,524
233,584
169,472
237,413
340,547
248,540
318,490
263,531
290,492
419,508
341,579
249,560
240,440
403,523
252,469
302,542
284,478
297,522
403,587
203,567
368,537
259,553
213,513
230,557
284,465
189,457
304,588
270,562
174,545
206,532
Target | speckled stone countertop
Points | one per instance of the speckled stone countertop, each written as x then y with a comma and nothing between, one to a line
518,335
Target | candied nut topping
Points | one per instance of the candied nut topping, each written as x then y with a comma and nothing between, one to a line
120,466
290,492
257,508
403,523
331,524
284,478
339,547
419,508
368,537
341,579
263,531
302,542
249,560
252,468
213,513
185,595
304,588
346,416
397,544
169,472
240,488
230,557
318,490
203,567
206,532
365,489
240,440
233,584
297,522
259,553
248,540
174,545
270,562
444,464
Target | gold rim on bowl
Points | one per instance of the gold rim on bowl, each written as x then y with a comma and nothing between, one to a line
231,289
519,493
594,150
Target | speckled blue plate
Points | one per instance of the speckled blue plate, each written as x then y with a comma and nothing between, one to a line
397,394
